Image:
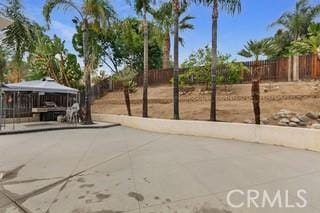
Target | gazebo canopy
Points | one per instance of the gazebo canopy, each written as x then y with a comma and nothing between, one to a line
4,22
46,85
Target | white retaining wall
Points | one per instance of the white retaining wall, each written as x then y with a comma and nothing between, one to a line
300,138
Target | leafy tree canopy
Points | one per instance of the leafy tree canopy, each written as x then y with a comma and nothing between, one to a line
198,69
122,45
50,58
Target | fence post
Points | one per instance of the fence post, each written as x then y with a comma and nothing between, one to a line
110,84
314,72
290,68
296,68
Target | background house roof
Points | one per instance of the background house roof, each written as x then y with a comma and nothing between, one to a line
4,22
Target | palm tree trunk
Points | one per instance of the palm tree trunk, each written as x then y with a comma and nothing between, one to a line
127,98
146,66
87,115
64,77
215,14
166,51
1,76
176,61
255,92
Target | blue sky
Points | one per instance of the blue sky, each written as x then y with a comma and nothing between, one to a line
234,31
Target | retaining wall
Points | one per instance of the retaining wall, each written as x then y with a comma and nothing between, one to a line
299,138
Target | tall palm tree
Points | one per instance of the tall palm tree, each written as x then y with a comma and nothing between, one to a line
3,64
98,12
298,21
142,7
255,49
164,18
231,7
176,12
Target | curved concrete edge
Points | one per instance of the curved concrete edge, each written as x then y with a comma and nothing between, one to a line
15,132
299,138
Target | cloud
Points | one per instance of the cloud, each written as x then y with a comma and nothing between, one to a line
64,31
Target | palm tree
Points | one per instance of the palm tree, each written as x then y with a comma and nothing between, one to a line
298,21
97,12
126,76
232,7
164,18
279,45
142,7
3,64
309,44
17,36
255,49
176,12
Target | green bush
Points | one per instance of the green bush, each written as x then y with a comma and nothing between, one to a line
197,69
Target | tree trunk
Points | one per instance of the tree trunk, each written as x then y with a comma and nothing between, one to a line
127,98
87,105
1,75
215,14
166,51
145,64
176,61
255,92
64,77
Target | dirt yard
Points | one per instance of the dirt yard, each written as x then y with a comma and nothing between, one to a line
195,105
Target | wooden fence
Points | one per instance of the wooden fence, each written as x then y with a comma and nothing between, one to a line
305,67
281,69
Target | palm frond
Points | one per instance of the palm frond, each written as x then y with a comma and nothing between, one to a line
231,6
100,10
297,21
50,5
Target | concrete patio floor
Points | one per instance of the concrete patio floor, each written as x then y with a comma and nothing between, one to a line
121,169
17,128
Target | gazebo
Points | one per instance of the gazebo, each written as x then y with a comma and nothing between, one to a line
39,100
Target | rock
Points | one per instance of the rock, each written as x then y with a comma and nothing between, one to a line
303,118
302,124
247,121
312,115
264,120
282,124
293,124
295,120
275,117
283,115
316,126
284,120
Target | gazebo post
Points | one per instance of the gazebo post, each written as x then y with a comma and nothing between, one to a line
14,110
19,108
67,100
1,108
